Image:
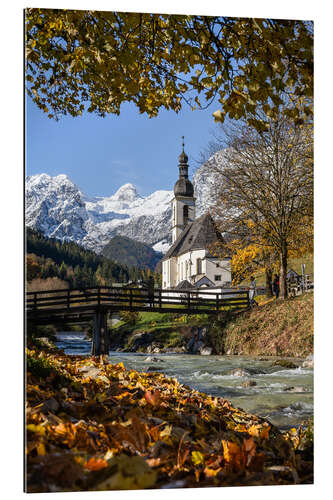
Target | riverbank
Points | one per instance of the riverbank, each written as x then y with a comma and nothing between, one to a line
277,328
92,425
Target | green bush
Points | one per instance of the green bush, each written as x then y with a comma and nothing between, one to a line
35,331
39,367
130,317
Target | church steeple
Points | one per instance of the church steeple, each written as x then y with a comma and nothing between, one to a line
183,204
183,186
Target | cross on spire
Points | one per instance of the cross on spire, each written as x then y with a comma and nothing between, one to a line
183,142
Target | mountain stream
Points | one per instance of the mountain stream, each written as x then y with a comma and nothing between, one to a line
282,396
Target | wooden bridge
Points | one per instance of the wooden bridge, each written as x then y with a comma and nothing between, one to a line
82,305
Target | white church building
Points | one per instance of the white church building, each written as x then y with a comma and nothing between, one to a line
189,262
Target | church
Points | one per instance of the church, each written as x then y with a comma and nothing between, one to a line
189,263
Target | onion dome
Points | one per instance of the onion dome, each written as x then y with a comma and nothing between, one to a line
183,158
183,187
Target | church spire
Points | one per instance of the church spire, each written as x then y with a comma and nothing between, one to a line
183,186
183,163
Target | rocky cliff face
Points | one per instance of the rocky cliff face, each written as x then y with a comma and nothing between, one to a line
58,208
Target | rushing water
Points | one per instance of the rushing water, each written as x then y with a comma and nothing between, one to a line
212,374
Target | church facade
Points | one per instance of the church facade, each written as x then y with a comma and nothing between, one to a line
190,261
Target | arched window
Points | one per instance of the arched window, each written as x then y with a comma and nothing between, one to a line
185,214
199,266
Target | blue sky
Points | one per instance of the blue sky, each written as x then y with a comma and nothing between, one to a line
102,154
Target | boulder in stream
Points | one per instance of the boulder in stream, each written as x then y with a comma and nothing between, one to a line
249,383
239,372
295,389
308,362
206,351
152,359
285,363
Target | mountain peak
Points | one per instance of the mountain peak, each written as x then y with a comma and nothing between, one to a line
127,192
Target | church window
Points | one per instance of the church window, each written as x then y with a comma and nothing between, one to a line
199,266
218,277
174,215
185,214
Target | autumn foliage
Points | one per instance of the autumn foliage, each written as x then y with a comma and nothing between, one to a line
162,60
92,425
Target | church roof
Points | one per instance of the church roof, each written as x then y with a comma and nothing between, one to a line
197,235
184,285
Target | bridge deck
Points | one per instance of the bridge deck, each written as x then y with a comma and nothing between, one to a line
74,306
53,305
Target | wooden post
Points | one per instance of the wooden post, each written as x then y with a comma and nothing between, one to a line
188,300
160,299
68,298
100,343
131,298
217,301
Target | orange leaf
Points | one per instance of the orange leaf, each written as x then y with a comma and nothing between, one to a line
249,447
253,430
211,472
230,450
153,462
153,398
264,434
96,463
233,455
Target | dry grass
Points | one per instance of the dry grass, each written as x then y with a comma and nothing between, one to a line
39,285
283,327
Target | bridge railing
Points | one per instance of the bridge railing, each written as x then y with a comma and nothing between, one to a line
135,298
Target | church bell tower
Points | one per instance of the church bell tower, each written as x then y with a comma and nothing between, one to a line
183,204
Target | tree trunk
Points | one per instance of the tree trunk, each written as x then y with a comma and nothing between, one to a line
269,276
283,271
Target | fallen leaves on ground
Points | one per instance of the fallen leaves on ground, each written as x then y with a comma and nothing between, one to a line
93,425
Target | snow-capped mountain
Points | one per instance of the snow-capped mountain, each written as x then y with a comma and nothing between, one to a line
58,208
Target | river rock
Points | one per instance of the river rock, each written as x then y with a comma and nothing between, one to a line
93,372
156,350
206,351
295,389
285,363
197,346
190,344
90,371
175,350
308,362
48,405
152,359
239,372
152,369
249,383
202,333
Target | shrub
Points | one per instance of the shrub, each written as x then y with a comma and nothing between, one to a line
35,331
39,367
130,317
